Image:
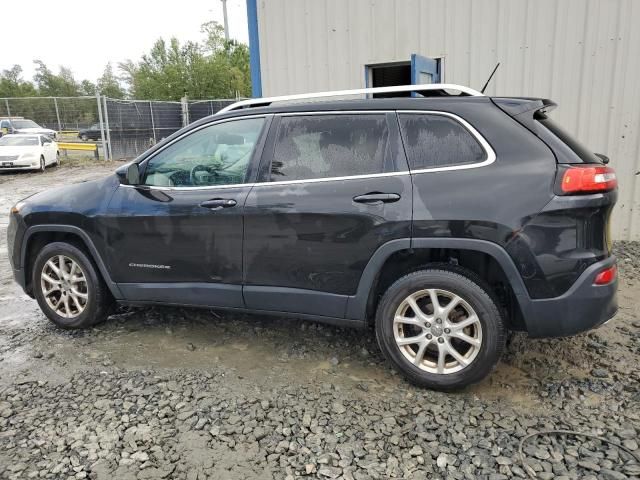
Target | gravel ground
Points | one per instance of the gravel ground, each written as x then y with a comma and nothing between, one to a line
193,394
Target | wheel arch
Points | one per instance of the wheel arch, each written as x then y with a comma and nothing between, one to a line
38,236
399,257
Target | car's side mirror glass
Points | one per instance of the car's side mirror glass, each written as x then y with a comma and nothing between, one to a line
133,174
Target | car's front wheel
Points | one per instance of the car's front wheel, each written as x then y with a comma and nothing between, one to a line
43,164
68,288
440,328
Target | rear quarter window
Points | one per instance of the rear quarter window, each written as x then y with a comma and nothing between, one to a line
584,153
433,140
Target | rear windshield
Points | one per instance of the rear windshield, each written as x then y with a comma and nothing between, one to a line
579,149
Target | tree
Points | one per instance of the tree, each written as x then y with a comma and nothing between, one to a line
13,85
87,88
215,68
52,85
109,84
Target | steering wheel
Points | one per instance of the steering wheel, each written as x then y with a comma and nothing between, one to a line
194,170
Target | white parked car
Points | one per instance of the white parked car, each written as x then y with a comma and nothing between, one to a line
24,125
28,152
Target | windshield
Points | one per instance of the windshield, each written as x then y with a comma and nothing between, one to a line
11,141
25,124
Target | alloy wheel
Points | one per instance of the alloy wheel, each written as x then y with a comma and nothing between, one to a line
437,331
64,286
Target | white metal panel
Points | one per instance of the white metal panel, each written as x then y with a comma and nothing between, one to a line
584,54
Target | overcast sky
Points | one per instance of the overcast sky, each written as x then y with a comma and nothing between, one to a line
74,34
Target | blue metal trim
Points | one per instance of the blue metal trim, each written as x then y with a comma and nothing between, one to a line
420,64
254,48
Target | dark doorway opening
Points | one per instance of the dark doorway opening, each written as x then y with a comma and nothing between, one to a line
389,76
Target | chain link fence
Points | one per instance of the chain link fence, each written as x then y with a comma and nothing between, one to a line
56,113
121,129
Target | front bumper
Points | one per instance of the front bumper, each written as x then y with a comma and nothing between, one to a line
20,165
583,307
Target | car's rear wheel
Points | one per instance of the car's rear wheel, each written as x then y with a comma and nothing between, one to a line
68,287
43,164
441,328
84,137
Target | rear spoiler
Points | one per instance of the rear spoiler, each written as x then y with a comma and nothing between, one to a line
532,113
515,106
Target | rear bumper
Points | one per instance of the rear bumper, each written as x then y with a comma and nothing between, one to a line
583,307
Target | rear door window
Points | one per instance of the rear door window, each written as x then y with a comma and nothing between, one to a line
433,141
323,146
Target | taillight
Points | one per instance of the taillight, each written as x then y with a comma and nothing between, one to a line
606,276
587,179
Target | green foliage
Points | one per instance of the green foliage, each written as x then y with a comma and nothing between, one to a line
215,68
51,85
88,88
109,85
13,85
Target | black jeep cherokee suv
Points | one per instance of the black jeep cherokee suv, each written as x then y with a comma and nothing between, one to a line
442,221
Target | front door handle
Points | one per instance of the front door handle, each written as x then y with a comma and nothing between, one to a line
376,198
216,203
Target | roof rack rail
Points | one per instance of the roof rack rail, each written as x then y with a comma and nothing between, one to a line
263,102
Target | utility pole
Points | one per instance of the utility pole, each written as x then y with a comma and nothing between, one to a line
226,21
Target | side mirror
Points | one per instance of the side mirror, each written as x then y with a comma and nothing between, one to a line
133,174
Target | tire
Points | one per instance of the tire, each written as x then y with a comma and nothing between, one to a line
57,164
84,138
97,302
43,164
475,361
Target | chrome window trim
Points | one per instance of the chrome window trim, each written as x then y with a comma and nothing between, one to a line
188,189
491,154
334,179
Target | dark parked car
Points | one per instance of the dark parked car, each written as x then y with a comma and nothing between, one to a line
442,222
90,133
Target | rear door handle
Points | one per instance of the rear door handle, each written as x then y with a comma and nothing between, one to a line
216,203
377,198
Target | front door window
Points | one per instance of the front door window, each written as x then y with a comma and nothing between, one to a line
218,154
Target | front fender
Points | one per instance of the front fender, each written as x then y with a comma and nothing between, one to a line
86,239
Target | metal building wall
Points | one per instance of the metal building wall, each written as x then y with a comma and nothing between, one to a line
584,54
